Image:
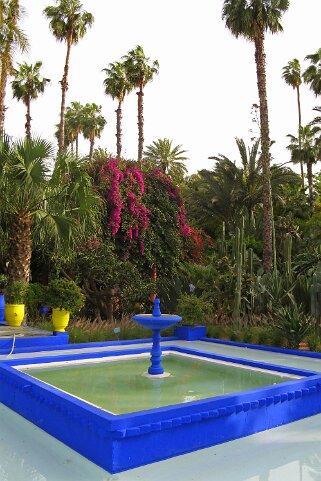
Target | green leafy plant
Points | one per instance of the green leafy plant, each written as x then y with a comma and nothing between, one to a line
293,323
3,282
193,309
36,297
65,294
16,292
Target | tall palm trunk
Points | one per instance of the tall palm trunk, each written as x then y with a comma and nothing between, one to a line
5,65
300,125
140,124
265,156
310,183
118,130
28,119
91,148
77,145
64,88
19,253
3,85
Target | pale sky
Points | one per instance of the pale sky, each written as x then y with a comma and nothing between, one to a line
206,85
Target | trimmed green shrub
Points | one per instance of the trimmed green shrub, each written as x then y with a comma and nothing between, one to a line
16,292
65,294
193,309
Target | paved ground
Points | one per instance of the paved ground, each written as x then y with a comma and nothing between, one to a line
8,331
288,453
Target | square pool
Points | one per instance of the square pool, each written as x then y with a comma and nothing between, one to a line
101,405
120,387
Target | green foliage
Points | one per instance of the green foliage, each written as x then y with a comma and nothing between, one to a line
36,297
293,323
271,291
16,292
116,83
139,69
28,83
100,269
68,21
3,282
170,160
65,294
193,309
55,210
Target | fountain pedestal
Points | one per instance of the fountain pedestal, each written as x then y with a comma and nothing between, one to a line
156,321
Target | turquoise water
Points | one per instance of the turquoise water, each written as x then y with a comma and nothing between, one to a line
120,387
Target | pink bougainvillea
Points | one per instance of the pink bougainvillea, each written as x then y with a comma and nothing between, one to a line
123,191
175,194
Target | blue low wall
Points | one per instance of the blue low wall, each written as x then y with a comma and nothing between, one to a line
32,343
121,442
261,347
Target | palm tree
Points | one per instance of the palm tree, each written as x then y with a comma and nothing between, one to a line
251,20
117,86
229,192
74,125
292,76
140,70
57,208
246,183
168,159
27,85
93,124
74,118
12,38
68,23
309,152
312,75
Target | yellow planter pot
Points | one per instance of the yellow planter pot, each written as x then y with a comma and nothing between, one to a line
60,319
14,314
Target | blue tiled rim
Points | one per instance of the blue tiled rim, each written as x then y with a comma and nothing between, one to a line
121,442
262,347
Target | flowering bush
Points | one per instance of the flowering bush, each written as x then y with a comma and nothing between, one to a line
198,247
122,186
144,228
175,195
139,209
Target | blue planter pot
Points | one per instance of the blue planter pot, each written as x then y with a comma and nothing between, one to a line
43,310
2,305
190,333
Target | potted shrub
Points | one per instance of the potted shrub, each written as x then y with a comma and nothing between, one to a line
65,297
193,310
15,294
3,281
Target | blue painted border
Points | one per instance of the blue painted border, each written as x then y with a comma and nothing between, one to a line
121,442
33,343
260,347
58,344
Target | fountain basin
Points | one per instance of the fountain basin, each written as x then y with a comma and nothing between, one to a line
164,321
118,442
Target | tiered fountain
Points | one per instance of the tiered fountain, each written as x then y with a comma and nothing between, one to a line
157,322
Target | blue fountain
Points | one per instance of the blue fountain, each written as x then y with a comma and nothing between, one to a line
156,321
